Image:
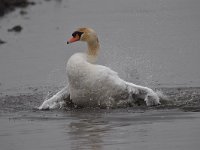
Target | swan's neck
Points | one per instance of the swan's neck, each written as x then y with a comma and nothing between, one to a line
92,52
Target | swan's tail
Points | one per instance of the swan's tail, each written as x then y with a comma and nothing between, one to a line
141,95
164,99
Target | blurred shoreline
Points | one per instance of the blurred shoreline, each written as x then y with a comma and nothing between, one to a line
7,6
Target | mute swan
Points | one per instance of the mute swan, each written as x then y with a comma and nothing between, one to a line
95,85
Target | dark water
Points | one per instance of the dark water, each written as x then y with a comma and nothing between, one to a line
149,42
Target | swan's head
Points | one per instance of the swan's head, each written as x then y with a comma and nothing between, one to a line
83,34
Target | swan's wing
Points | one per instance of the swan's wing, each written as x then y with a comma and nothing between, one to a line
57,101
112,83
122,90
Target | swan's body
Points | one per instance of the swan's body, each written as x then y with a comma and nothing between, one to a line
95,85
91,84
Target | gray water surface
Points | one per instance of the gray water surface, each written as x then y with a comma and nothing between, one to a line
149,42
98,130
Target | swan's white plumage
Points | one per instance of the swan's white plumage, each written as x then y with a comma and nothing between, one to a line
95,85
91,84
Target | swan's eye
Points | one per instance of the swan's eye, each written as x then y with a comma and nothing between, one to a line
77,33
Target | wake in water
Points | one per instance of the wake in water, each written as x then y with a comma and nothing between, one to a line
132,95
186,99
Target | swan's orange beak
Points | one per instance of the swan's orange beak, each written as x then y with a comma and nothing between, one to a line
73,39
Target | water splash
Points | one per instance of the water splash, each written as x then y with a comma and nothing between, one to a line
185,99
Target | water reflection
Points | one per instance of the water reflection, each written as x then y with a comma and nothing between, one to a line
87,130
